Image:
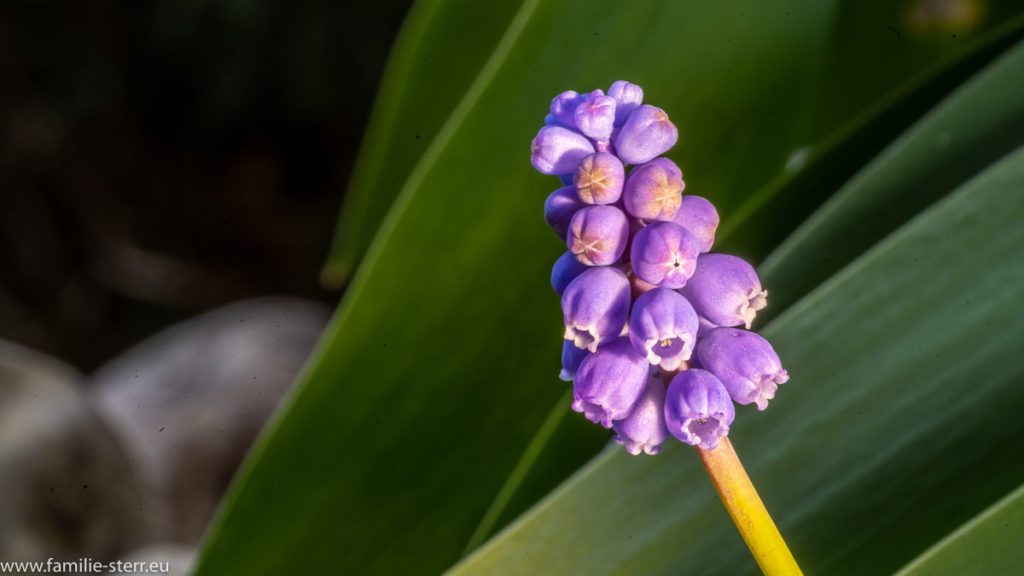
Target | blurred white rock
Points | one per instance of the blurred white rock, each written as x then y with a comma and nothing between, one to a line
68,488
189,401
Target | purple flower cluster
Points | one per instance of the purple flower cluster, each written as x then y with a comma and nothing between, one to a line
657,338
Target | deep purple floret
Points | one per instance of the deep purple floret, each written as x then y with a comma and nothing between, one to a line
598,235
560,207
595,117
595,307
745,362
599,178
643,431
664,254
700,218
558,150
572,357
653,191
609,382
646,134
663,327
698,409
725,290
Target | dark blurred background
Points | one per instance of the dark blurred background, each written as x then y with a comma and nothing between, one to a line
159,159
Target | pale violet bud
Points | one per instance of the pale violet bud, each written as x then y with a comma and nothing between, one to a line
627,98
599,178
558,150
646,134
663,327
725,290
698,409
571,359
595,117
665,254
565,270
654,190
597,235
560,207
609,382
745,362
644,429
595,307
563,106
700,218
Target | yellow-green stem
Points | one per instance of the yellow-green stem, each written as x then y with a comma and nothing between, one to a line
747,511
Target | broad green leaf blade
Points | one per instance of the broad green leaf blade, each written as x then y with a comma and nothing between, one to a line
442,361
817,170
980,122
988,544
426,77
898,424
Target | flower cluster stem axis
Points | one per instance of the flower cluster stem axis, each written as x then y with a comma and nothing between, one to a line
747,511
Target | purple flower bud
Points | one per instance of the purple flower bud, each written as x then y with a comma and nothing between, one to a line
627,98
565,270
700,218
558,150
725,290
595,306
644,429
654,190
665,254
698,409
647,134
599,179
563,106
609,382
597,235
571,359
559,209
595,117
745,363
663,327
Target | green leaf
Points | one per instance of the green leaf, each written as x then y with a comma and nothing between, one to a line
427,75
988,544
976,125
816,171
905,377
441,363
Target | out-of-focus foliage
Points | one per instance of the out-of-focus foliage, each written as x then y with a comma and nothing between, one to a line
413,434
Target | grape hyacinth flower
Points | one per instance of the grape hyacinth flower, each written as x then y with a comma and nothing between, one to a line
644,302
745,363
599,178
654,190
595,307
725,290
698,216
698,409
665,254
559,208
609,382
565,270
663,327
597,235
644,429
656,341
572,357
646,134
